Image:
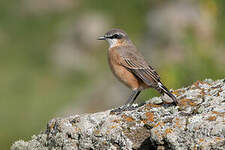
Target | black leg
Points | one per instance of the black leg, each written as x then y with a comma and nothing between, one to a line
129,102
132,97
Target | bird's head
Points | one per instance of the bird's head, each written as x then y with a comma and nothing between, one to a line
115,37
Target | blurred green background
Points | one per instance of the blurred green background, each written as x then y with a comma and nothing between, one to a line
52,64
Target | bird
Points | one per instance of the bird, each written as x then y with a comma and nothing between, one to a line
131,68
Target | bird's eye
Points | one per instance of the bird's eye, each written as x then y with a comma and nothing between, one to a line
116,36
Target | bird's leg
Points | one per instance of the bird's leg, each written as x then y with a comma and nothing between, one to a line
132,97
129,102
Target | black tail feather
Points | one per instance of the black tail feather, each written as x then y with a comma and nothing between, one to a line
163,89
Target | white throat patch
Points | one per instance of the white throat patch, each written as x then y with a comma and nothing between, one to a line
112,42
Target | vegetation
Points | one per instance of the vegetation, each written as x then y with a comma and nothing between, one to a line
33,88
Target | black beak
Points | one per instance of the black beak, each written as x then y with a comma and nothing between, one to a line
101,38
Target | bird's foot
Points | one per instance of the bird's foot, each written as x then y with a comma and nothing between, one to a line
174,103
123,108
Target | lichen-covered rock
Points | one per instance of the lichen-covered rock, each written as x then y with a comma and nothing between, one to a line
196,123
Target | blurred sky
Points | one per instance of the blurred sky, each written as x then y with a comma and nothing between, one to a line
52,65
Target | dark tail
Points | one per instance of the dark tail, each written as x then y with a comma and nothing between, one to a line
163,89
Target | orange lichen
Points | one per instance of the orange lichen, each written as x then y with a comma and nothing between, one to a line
196,84
195,147
178,123
52,125
218,113
77,129
127,118
202,92
185,102
150,116
177,92
211,118
113,127
159,124
149,106
201,140
219,139
116,121
168,131
144,121
152,105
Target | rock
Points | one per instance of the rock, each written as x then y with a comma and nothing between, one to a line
196,123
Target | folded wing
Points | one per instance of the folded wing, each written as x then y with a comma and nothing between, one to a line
137,65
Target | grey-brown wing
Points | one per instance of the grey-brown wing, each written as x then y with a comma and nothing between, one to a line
137,65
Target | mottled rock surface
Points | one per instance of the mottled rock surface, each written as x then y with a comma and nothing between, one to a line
197,123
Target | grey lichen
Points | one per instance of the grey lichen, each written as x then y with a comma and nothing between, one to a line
196,123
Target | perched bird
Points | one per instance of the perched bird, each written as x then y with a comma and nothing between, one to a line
130,67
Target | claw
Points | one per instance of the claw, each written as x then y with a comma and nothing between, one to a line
122,109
